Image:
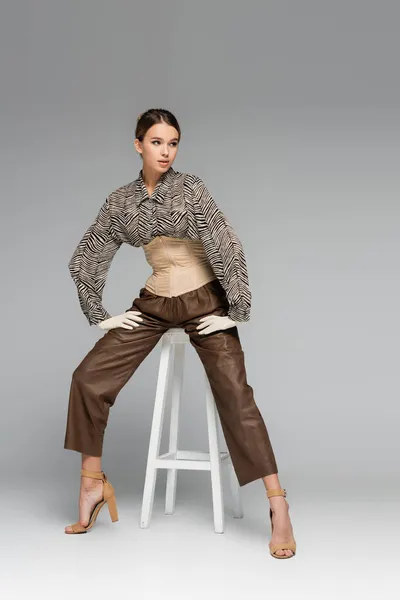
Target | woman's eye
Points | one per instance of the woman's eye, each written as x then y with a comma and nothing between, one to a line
172,143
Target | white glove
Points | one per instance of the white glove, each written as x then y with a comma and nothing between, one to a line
128,320
214,323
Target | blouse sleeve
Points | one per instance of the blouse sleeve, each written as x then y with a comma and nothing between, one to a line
90,263
224,251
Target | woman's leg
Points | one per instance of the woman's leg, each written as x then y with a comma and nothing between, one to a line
243,426
95,385
242,423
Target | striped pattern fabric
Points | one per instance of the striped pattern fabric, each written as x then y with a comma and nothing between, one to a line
179,206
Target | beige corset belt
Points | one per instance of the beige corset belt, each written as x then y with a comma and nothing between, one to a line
179,266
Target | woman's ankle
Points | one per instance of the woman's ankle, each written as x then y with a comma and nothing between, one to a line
91,463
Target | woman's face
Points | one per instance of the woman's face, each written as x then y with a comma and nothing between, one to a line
160,143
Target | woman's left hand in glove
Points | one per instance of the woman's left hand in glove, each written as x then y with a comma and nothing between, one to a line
214,323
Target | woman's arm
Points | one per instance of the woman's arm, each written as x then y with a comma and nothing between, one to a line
224,251
90,264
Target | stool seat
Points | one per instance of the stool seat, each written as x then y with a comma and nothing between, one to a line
171,371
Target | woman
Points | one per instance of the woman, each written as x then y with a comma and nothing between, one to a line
199,282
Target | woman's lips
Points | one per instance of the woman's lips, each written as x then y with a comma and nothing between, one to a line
163,162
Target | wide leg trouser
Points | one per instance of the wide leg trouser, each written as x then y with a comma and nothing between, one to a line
114,358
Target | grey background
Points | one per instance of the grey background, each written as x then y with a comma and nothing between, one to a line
290,113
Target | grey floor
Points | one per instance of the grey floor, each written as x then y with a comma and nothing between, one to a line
347,548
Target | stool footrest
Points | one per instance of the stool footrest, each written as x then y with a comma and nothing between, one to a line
191,455
187,459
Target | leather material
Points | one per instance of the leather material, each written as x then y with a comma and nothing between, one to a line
78,528
277,492
179,266
93,474
284,546
114,358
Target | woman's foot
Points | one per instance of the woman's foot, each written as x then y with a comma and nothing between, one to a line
90,494
282,530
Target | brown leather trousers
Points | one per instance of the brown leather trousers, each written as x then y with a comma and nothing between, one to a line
114,358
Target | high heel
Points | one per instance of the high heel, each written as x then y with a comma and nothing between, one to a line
284,545
108,498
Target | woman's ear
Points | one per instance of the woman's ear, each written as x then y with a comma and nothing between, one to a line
138,146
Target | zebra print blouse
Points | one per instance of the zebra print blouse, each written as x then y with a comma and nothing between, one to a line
180,206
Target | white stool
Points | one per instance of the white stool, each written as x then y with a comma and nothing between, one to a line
172,355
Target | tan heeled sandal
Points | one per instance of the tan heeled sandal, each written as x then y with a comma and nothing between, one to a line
108,498
284,545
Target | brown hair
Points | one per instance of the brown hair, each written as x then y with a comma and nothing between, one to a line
151,117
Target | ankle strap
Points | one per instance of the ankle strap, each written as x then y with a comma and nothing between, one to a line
277,492
94,474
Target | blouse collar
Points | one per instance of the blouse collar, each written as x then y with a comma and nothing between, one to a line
160,189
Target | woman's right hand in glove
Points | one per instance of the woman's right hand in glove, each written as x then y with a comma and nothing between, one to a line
128,320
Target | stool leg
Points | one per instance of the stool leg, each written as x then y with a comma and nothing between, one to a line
177,379
235,492
215,461
156,430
